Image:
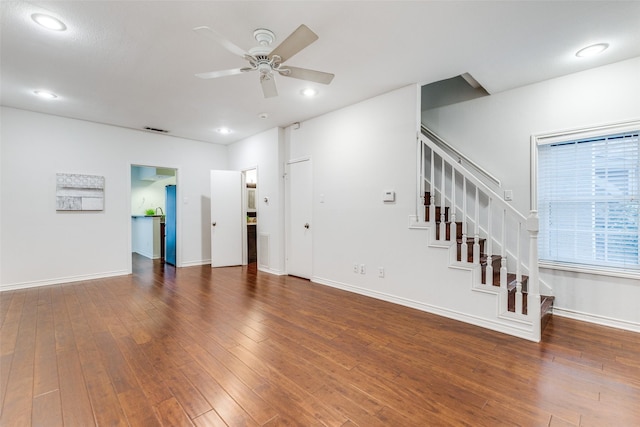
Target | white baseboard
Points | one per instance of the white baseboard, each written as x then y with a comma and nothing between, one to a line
272,271
60,280
505,326
598,320
195,263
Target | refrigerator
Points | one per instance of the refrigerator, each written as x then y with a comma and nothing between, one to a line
170,225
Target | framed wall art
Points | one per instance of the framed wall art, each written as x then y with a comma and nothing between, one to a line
75,192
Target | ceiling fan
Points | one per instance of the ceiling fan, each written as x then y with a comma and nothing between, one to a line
267,60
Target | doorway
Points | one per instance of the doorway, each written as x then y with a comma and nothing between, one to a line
251,208
153,196
234,217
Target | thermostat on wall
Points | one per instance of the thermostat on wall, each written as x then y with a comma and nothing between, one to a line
389,196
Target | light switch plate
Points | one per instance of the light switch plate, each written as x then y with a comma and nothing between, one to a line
388,196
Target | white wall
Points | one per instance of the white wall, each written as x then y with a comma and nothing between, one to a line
42,246
357,153
265,152
498,127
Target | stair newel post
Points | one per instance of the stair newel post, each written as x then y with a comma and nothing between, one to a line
533,294
518,271
489,268
432,194
476,235
464,257
453,232
503,253
443,199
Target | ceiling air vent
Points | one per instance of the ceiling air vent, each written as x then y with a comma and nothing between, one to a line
155,129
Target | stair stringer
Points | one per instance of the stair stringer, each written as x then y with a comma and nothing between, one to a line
489,298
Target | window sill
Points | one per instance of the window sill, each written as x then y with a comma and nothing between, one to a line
590,269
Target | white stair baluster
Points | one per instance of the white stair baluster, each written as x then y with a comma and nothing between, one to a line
503,253
476,235
464,257
443,218
432,194
518,272
453,231
489,269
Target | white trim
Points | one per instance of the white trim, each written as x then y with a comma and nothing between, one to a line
272,271
518,329
62,280
196,263
533,170
598,320
298,160
589,132
590,269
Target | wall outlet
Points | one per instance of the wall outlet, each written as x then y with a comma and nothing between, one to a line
381,272
356,268
362,269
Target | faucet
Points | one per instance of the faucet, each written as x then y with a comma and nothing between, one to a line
160,210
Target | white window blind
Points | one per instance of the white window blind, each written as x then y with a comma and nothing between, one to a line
589,201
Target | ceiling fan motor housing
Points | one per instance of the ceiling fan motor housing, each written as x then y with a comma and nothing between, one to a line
264,37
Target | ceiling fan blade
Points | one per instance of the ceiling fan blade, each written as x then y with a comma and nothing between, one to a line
298,40
222,73
216,37
268,84
304,74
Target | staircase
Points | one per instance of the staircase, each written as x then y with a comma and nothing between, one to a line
485,235
495,261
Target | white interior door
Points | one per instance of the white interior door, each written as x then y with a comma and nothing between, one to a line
226,218
300,226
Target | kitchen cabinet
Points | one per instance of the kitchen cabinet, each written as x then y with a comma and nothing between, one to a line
146,236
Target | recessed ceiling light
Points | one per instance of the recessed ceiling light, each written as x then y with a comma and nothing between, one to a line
224,131
263,115
45,94
309,92
592,50
49,22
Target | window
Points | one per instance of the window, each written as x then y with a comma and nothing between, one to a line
589,199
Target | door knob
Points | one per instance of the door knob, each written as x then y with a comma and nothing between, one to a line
306,226
213,224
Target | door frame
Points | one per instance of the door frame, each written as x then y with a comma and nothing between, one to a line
178,212
245,248
287,211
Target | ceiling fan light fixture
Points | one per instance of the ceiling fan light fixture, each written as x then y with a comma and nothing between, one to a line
268,61
45,94
224,131
592,50
48,22
309,92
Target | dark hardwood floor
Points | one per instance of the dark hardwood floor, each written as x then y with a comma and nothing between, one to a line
236,347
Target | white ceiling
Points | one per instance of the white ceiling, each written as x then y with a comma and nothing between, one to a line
132,63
